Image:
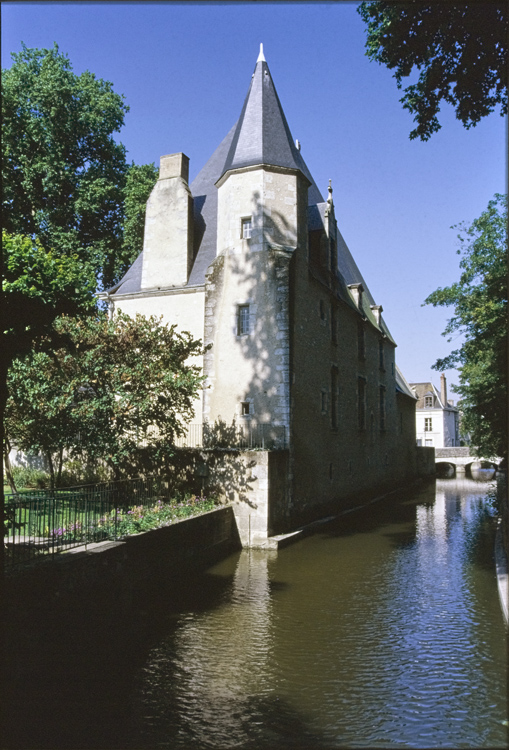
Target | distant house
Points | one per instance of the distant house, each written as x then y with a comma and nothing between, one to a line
437,419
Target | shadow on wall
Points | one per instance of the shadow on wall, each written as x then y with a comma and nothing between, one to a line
263,278
224,472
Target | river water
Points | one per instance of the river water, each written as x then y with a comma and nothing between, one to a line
383,629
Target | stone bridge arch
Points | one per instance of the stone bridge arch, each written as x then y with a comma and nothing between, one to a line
455,461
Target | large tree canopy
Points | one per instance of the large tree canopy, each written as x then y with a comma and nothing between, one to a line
39,285
459,49
121,393
63,172
140,180
479,299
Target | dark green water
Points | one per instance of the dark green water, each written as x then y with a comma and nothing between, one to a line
382,630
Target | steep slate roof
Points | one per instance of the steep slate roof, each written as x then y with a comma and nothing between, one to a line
402,385
261,136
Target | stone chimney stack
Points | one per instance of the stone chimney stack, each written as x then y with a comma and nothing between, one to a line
443,389
168,240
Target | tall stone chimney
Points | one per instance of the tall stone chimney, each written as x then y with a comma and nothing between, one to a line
443,389
168,241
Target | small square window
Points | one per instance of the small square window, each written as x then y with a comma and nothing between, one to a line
247,227
242,320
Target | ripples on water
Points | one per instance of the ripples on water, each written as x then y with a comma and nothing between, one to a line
384,630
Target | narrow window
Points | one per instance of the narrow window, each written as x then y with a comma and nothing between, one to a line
382,407
361,403
361,343
246,228
333,324
381,355
324,402
242,320
427,424
322,310
244,408
334,397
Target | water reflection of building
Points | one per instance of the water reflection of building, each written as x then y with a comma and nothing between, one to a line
219,660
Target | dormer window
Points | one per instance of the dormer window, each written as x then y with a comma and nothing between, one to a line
246,229
428,402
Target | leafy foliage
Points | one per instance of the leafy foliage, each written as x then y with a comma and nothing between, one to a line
63,173
459,49
122,392
139,183
39,285
479,299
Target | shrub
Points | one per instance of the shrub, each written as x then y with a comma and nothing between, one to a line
24,476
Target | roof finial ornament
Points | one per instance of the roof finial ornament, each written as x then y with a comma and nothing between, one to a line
330,202
261,56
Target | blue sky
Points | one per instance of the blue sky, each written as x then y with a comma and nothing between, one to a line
185,68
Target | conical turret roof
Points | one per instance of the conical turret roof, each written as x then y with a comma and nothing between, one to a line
262,135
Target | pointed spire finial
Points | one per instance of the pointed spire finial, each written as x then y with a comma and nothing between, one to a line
261,56
329,199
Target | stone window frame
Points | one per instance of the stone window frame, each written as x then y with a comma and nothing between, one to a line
246,408
361,402
333,324
243,323
334,397
361,340
321,312
324,401
246,227
382,406
381,355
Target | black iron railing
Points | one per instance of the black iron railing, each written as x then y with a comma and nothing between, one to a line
42,522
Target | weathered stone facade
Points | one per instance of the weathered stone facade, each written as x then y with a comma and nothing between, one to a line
261,273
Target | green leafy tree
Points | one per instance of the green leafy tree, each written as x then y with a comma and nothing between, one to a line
63,173
479,299
38,285
459,50
140,180
121,393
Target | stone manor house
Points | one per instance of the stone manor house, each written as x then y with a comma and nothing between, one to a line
249,258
